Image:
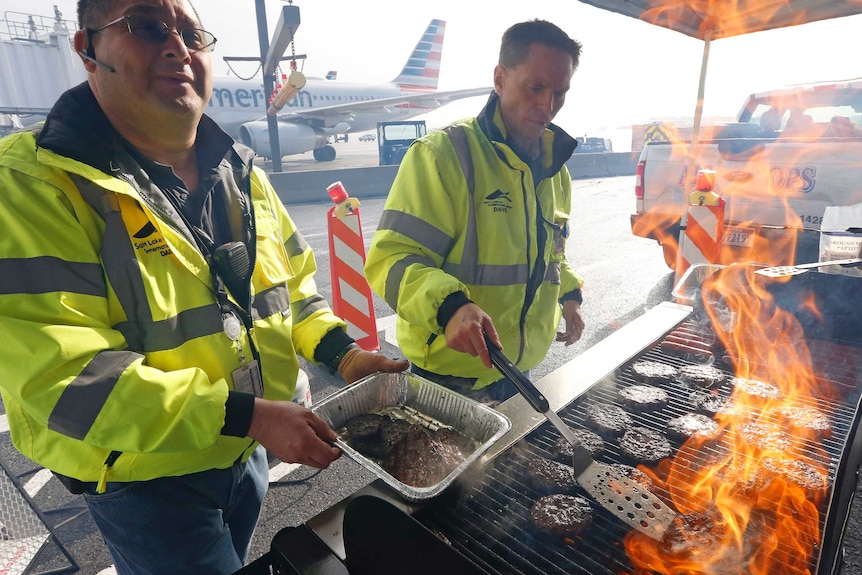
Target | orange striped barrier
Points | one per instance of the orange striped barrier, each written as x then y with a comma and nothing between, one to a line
351,295
702,227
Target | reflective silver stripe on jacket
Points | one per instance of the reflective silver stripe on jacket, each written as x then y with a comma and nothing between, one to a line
553,273
469,270
295,245
270,302
120,263
303,308
396,274
83,399
46,274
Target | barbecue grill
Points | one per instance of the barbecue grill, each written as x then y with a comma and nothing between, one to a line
484,519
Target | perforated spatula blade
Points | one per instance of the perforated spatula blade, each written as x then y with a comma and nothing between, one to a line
785,271
626,499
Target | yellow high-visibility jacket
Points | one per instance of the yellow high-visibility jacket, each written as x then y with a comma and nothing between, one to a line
112,338
501,241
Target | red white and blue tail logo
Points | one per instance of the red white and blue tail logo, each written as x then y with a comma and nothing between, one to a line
422,69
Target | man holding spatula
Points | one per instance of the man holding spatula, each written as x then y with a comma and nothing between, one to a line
472,239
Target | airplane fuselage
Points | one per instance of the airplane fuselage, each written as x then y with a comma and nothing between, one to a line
235,101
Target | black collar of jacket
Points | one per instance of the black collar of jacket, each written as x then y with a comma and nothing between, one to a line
77,128
563,148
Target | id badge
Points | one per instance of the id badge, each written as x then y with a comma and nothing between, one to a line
247,379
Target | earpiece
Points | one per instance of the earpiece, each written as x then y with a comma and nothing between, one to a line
86,56
90,54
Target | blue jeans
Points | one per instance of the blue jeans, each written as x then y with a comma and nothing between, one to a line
198,523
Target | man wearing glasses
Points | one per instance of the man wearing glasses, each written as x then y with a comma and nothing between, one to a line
154,295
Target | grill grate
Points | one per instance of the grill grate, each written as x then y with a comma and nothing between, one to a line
487,515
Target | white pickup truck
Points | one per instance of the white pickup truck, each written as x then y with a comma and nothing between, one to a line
790,154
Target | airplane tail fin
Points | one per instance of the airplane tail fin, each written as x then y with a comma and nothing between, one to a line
422,69
332,74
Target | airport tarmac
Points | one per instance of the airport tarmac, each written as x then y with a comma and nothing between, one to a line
350,154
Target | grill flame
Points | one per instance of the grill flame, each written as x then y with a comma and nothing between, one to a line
753,507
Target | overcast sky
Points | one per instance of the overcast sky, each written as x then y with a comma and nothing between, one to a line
630,72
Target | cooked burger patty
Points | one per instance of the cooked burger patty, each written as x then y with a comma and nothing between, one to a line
422,457
548,476
562,450
608,420
561,515
645,445
375,435
642,398
654,372
701,375
693,425
365,425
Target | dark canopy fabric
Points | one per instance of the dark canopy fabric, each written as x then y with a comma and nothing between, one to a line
726,18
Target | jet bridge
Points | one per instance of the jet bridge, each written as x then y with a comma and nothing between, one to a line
37,63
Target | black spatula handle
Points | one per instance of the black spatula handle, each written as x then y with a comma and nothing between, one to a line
521,381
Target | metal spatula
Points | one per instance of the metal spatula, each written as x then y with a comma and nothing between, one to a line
785,271
626,499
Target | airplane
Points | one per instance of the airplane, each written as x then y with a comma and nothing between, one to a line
325,110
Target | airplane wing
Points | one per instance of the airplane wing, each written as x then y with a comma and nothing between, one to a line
332,115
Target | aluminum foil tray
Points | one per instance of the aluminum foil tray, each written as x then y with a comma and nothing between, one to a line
415,394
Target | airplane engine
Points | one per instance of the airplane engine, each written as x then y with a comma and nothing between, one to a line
293,138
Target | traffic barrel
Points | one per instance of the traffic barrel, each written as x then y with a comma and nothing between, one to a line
351,294
702,228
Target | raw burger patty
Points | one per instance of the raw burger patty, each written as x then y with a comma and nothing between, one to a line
645,445
642,398
550,476
561,515
634,474
807,421
701,375
755,388
562,450
654,371
796,471
695,425
705,402
608,420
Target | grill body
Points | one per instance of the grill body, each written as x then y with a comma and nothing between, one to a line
489,521
485,515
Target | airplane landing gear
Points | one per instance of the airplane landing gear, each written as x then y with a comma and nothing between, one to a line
324,154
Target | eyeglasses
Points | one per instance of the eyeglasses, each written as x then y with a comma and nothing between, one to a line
156,31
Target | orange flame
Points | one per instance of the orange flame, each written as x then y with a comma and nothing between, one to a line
753,507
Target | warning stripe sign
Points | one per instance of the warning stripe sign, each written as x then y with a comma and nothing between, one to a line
351,295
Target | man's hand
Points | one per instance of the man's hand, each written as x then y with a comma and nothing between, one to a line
574,323
466,331
293,433
358,363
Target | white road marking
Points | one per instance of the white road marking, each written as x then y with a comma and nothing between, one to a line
4,423
37,482
281,470
387,326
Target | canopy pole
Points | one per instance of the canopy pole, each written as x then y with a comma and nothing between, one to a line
690,181
691,176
